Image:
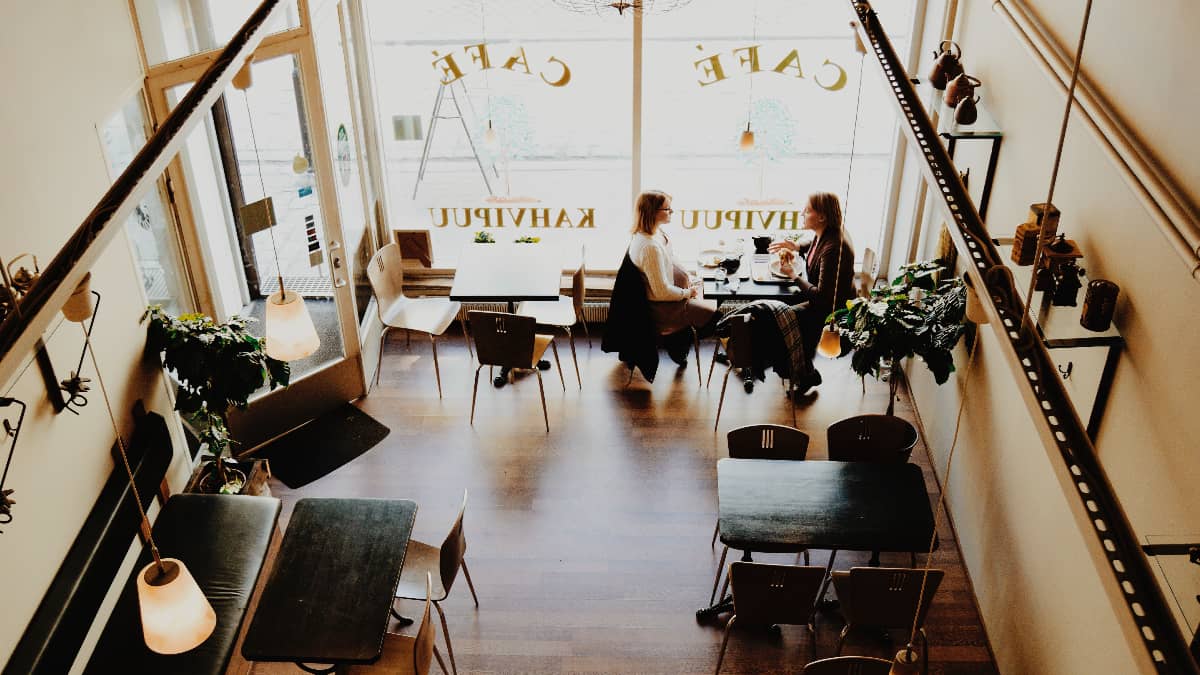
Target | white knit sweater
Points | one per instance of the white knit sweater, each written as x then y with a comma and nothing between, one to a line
653,257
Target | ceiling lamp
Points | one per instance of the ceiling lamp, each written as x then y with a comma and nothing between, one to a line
603,7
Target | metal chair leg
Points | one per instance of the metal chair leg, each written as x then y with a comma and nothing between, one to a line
724,643
717,579
407,339
717,532
446,636
466,326
586,335
721,402
470,585
842,640
382,344
474,392
571,338
696,343
437,372
542,391
558,365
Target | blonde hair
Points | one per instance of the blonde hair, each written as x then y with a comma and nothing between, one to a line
646,209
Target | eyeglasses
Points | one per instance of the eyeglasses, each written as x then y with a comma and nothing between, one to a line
668,210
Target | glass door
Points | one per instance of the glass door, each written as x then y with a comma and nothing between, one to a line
272,140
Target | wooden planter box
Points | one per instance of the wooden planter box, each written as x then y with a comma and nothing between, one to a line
258,473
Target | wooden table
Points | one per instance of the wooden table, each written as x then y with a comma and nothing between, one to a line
749,289
508,273
787,506
331,590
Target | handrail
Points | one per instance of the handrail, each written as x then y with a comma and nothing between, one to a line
24,326
1167,202
1133,582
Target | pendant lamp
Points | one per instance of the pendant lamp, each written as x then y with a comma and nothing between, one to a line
176,616
830,345
746,140
975,311
906,662
291,334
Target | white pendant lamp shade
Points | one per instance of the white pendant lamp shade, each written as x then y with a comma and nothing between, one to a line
975,311
290,331
489,136
830,345
176,616
78,307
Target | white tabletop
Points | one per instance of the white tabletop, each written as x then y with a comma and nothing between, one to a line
506,272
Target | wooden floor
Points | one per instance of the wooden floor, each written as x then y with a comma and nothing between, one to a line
589,545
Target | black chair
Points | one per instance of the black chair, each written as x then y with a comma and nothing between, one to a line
849,665
886,597
772,595
871,438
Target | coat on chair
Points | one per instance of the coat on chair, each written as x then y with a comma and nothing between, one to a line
630,330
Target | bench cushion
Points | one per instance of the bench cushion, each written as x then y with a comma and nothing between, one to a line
223,540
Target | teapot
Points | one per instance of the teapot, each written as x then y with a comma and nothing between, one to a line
966,112
947,66
961,87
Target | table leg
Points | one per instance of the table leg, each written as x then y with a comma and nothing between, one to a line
502,379
725,604
404,620
822,603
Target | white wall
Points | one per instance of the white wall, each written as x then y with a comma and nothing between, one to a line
1038,589
67,66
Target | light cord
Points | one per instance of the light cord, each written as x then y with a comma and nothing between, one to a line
263,185
937,514
837,277
1062,137
137,498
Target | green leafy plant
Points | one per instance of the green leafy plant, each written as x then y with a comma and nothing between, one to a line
913,316
527,240
483,237
216,366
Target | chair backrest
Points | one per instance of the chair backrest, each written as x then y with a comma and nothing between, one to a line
871,438
865,279
884,596
579,285
740,347
423,649
868,263
766,594
386,274
454,548
767,441
849,665
503,339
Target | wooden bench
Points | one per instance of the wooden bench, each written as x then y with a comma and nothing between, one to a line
222,539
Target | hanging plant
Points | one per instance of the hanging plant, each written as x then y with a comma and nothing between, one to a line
216,366
912,316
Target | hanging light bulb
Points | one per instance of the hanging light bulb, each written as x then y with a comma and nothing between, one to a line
78,307
831,343
489,136
906,662
176,616
290,331
747,140
975,311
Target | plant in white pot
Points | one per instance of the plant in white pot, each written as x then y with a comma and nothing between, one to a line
912,316
216,366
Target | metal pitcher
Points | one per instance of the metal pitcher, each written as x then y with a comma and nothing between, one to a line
946,67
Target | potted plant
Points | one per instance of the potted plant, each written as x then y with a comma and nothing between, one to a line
913,316
216,366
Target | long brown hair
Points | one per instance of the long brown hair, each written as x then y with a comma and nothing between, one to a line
649,203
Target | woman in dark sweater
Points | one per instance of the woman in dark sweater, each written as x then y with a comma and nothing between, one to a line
829,266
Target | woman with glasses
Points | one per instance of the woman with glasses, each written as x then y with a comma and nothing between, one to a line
676,303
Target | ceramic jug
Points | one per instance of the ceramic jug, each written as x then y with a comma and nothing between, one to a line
966,111
946,67
961,87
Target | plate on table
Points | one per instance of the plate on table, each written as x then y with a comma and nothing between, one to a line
776,269
710,257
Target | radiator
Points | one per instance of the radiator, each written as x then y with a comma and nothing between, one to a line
593,312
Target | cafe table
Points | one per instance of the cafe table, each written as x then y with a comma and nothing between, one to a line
508,273
780,506
329,597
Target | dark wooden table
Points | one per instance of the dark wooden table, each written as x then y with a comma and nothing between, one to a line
331,589
786,506
749,289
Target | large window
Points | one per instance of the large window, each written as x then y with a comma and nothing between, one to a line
517,118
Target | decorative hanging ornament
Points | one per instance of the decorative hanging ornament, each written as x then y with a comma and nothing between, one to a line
603,7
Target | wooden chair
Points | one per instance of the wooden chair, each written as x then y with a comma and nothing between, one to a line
740,350
403,654
424,315
886,597
761,441
871,438
423,560
849,665
864,280
511,341
565,312
770,595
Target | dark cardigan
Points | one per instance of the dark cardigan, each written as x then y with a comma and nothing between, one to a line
630,328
